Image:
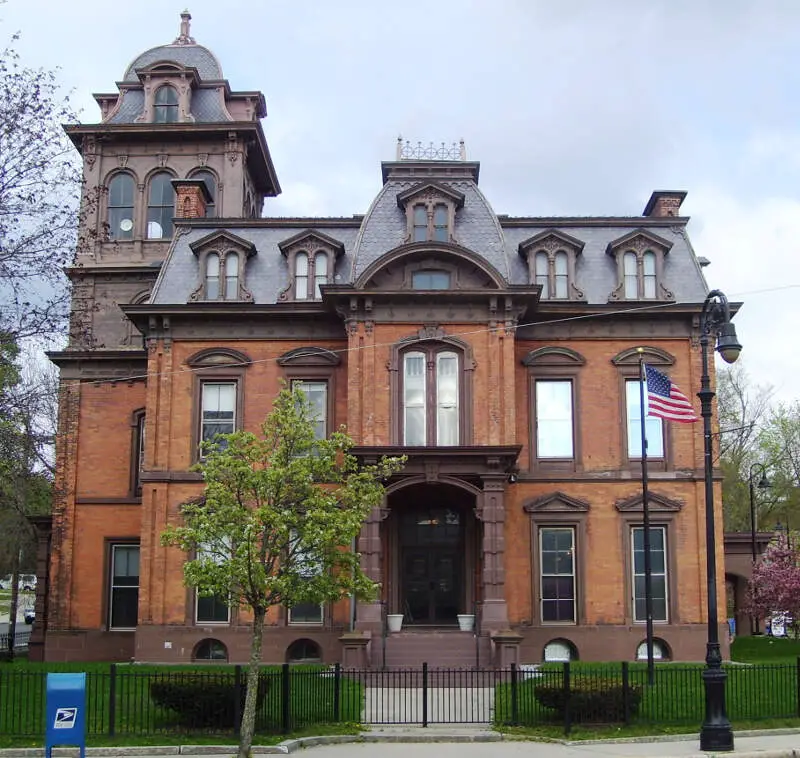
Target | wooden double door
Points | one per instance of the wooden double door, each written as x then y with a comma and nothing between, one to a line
432,565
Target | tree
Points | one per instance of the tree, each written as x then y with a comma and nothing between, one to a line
742,409
40,184
775,582
276,523
779,440
25,487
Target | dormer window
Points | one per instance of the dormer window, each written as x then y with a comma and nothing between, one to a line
222,259
551,258
430,279
165,105
226,287
431,210
640,260
311,257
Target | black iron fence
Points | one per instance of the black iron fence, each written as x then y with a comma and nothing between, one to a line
151,701
21,639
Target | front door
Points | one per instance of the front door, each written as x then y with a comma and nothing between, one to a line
432,565
432,586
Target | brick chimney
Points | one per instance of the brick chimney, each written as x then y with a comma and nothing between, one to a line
663,203
191,198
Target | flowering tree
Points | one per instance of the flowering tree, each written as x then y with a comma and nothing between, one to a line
277,521
775,583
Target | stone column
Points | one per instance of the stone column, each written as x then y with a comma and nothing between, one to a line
368,614
494,609
44,530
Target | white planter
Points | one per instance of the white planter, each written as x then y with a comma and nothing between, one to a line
466,622
394,621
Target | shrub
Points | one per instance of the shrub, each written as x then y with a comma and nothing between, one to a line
590,701
203,702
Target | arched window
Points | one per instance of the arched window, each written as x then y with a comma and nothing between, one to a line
441,227
160,206
210,650
120,207
320,272
543,274
649,274
165,105
420,223
431,397
212,276
211,185
561,275
560,650
631,276
301,276
304,651
231,276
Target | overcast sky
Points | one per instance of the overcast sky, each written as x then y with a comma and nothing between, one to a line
572,107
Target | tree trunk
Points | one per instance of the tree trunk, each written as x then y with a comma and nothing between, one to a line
12,611
251,700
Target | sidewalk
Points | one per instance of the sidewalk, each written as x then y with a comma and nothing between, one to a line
449,742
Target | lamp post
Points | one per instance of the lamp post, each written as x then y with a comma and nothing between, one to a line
763,484
715,732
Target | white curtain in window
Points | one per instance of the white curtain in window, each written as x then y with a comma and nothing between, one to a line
542,265
554,419
652,425
649,272
301,276
631,277
212,276
232,276
447,399
320,273
414,399
561,275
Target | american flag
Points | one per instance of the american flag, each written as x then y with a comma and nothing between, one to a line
665,400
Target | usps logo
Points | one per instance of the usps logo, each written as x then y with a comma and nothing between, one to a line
65,718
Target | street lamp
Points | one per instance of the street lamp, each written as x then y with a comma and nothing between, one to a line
763,484
715,318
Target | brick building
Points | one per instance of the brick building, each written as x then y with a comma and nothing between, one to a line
497,352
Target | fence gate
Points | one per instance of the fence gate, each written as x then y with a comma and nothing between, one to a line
428,695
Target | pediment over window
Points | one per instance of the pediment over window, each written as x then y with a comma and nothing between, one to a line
553,356
427,191
556,502
652,355
465,271
551,256
223,239
216,357
656,503
309,239
639,240
550,240
309,356
168,69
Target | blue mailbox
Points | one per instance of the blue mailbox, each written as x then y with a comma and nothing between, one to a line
65,712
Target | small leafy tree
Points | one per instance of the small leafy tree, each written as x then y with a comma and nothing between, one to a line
276,522
775,582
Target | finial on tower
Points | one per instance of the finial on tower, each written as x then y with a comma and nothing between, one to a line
456,151
185,38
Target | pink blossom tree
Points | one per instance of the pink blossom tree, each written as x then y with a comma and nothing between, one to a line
775,583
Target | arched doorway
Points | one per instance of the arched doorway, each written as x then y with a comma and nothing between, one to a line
432,536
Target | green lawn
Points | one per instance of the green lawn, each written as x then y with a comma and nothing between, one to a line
763,649
753,694
312,699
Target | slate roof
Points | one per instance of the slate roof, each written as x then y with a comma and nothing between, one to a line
477,228
196,56
384,226
596,271
206,107
267,273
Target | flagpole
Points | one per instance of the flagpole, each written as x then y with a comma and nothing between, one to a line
648,571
